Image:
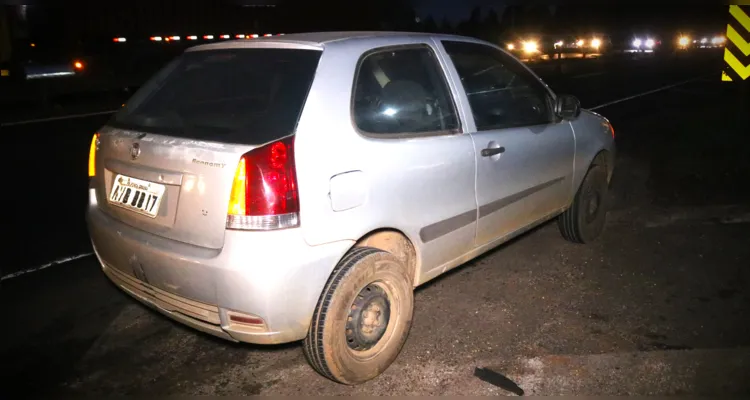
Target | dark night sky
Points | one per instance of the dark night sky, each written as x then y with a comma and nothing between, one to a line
616,16
453,10
612,15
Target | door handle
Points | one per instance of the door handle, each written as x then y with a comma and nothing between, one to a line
489,152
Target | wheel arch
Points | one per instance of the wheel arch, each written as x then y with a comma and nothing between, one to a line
396,242
604,158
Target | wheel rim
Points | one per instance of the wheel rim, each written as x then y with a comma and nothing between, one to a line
592,206
368,319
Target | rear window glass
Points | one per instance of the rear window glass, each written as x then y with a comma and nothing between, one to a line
246,96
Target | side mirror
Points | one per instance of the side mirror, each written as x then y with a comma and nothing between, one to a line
567,107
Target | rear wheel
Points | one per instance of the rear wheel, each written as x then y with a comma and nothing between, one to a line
584,221
363,317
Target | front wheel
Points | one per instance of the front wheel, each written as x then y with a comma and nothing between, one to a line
584,221
363,317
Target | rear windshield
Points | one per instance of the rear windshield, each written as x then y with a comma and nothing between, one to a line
246,96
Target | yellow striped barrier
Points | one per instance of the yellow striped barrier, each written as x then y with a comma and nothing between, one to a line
737,50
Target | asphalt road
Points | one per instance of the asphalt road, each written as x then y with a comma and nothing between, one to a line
659,305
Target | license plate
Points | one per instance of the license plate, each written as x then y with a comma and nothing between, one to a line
137,195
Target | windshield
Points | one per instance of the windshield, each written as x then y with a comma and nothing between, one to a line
246,96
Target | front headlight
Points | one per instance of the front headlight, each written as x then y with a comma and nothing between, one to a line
684,41
650,43
637,43
595,43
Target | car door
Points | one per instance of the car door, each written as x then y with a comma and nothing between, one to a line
400,159
524,152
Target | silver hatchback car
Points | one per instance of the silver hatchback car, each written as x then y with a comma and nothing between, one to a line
299,187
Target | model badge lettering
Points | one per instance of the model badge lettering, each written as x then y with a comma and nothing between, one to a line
210,164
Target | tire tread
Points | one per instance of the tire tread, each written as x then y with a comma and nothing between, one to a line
567,222
313,343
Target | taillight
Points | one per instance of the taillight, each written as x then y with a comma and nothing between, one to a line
264,191
92,155
612,128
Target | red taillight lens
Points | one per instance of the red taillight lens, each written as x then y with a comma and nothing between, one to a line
264,192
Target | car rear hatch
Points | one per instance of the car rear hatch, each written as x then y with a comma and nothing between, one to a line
168,159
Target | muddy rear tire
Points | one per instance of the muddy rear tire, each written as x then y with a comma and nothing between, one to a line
584,221
362,318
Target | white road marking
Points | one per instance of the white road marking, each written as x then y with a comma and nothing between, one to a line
62,117
41,267
635,96
737,219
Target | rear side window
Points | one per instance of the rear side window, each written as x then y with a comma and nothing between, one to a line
402,91
246,96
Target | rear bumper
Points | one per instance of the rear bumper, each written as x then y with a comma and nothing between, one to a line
272,275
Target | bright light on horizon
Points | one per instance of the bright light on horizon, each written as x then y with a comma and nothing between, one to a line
530,46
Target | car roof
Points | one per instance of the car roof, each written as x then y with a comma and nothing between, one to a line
320,39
